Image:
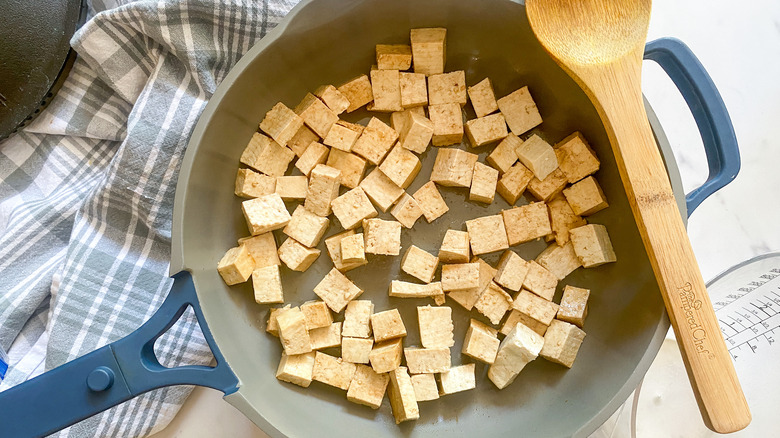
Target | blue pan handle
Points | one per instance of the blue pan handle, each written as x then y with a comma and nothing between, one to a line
111,375
712,118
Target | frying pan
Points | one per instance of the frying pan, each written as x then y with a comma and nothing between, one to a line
330,41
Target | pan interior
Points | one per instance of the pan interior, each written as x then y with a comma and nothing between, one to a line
329,42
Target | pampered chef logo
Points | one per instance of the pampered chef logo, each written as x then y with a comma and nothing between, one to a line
689,304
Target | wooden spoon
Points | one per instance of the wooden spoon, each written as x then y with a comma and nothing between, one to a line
600,44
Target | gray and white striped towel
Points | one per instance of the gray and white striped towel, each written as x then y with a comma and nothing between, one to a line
86,191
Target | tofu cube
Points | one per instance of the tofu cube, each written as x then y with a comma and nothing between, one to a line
382,237
562,219
375,141
586,197
535,308
455,247
513,183
427,360
562,343
350,165
447,88
453,167
357,318
487,234
332,97
592,245
526,223
483,183
494,303
262,248
332,371
326,337
398,119
416,133
281,123
333,244
356,350
486,130
306,227
546,189
574,305
518,349
324,182
265,213
357,91
406,211
435,327
236,265
250,184
515,317
353,249
460,276
504,155
403,289
292,331
468,297
540,281
481,342
316,314
382,191
401,166
430,201
386,356
267,156
429,50
343,135
296,369
387,325
447,122
393,56
352,208
457,379
419,263
511,271
482,97
559,260
316,153
575,157
337,290
267,285
386,88
425,387
272,326
297,257
538,156
316,115
401,394
367,387
302,140
292,188
520,111
414,92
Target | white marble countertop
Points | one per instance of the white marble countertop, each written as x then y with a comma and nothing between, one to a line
738,44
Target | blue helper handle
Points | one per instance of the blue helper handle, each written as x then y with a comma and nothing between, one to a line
111,375
709,111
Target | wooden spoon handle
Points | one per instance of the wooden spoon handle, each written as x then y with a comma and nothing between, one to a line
616,93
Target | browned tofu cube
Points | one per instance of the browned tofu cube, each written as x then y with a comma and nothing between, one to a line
427,360
447,88
562,219
381,190
296,369
401,166
538,309
332,97
382,237
574,305
368,387
486,130
297,257
316,115
511,271
337,290
455,247
386,356
538,156
326,337
393,56
429,50
526,223
504,155
592,245
513,183
386,88
333,244
250,184
447,122
515,317
414,92
332,371
357,319
387,325
540,281
575,157
520,111
435,326
358,92
353,249
262,248
585,197
316,314
487,234
460,276
468,297
560,260
483,183
324,182
316,153
351,166
343,135
494,303
406,211
266,213
267,156
416,133
236,265
453,167
546,189
483,99
419,264
561,343
292,331
375,141
431,202
481,342
425,388
356,350
301,140
281,123
306,227
398,119
352,208
292,187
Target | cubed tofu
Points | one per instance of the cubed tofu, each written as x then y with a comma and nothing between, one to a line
406,211
375,142
520,111
337,290
404,289
292,331
457,379
429,50
351,166
272,326
386,356
353,249
487,234
559,260
333,371
504,155
486,130
356,350
386,88
236,265
515,317
324,182
535,308
453,167
546,189
267,285
316,314
562,342
296,256
296,369
357,91
316,115
427,360
481,342
398,119
513,183
393,56
302,140
382,191
447,120
575,157
574,305
343,135
483,183
459,276
592,245
401,166
367,387
518,349
540,281
382,237
265,213
357,319
316,153
431,202
326,337
267,156
333,244
526,223
562,219
292,188
511,271
447,88
352,208
419,263
482,97
333,98
414,92
538,156
416,133
281,123
435,327
586,197
494,303
468,297
402,398
306,227
425,388
262,248
250,184
387,325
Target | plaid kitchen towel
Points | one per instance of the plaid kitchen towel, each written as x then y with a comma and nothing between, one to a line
86,191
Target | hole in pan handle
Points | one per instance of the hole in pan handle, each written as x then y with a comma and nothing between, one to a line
112,374
709,111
